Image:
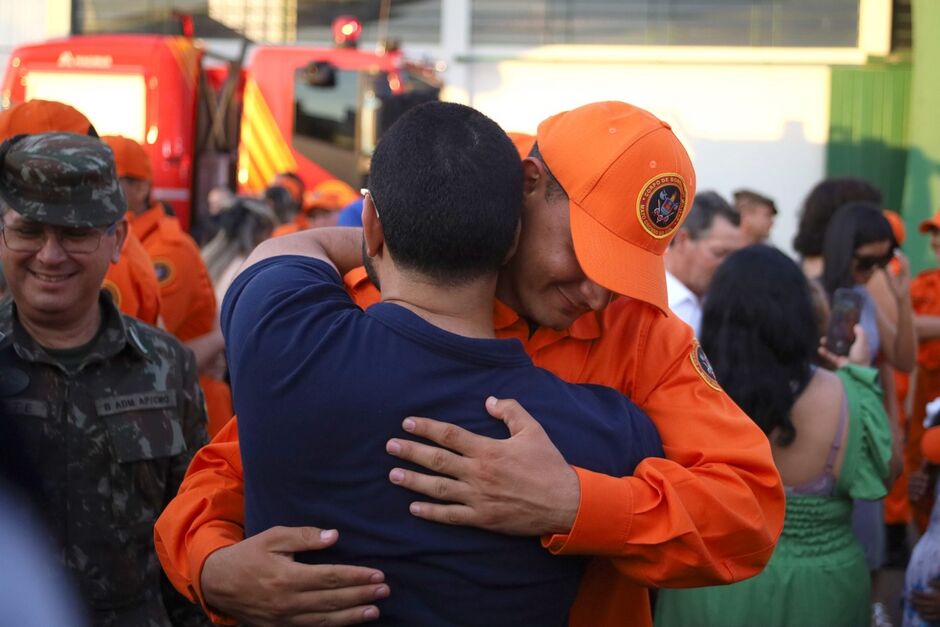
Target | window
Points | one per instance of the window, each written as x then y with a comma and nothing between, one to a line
785,23
325,106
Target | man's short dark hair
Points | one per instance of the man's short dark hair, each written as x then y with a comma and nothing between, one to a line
447,185
553,189
746,197
706,206
294,177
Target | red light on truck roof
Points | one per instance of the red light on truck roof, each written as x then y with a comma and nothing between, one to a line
346,31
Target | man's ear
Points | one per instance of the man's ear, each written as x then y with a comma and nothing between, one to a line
120,234
533,177
372,233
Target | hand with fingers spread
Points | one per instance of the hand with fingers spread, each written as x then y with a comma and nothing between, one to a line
520,486
257,581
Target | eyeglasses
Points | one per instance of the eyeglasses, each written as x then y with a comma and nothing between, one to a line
31,237
867,262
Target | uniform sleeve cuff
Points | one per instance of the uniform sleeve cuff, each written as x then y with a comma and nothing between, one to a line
202,546
602,524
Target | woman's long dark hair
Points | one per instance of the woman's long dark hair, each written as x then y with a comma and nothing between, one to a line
853,225
822,203
759,332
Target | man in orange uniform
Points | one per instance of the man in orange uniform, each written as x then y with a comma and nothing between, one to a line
131,281
606,187
925,297
318,208
186,294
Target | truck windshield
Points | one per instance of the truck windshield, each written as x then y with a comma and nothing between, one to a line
114,103
339,115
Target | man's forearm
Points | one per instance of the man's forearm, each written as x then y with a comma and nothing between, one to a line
341,247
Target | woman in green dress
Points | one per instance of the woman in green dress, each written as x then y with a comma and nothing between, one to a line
831,442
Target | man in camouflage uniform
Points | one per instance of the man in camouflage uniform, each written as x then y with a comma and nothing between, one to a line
109,409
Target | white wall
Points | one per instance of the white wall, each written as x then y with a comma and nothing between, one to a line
745,125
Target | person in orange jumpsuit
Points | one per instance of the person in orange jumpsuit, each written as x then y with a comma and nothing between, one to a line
925,295
320,206
606,187
897,504
186,294
131,281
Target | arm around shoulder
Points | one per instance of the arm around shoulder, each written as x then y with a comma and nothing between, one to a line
207,514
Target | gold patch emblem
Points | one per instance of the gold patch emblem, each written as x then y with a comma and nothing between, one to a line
661,204
164,270
703,366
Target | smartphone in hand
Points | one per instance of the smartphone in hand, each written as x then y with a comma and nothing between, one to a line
845,313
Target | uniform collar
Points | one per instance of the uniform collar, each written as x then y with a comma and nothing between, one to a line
116,336
146,223
505,318
586,327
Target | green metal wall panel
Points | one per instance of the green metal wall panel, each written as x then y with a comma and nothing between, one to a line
868,134
922,189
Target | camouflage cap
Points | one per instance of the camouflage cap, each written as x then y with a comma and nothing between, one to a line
62,179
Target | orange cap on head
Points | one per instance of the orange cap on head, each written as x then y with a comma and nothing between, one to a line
630,184
930,445
294,187
897,225
331,195
523,143
43,116
129,157
930,224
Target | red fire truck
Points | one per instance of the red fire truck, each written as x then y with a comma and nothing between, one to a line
316,111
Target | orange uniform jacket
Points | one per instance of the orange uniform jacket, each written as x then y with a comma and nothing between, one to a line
300,223
925,297
132,282
186,294
708,514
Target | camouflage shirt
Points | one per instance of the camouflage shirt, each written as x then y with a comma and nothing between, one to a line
111,439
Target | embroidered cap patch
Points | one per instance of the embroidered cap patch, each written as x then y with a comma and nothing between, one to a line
703,366
661,204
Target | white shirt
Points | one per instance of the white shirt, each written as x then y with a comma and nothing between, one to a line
684,303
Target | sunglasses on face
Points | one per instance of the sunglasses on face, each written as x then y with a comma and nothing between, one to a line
867,262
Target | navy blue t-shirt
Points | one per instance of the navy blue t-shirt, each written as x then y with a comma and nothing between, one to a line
320,386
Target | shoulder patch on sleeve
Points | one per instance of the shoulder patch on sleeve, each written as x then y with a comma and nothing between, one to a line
164,269
703,366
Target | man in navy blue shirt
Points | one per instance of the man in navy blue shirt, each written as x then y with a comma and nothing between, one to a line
321,385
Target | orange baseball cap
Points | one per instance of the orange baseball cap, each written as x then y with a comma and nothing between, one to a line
897,225
930,445
129,157
331,195
523,143
43,116
630,184
930,224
